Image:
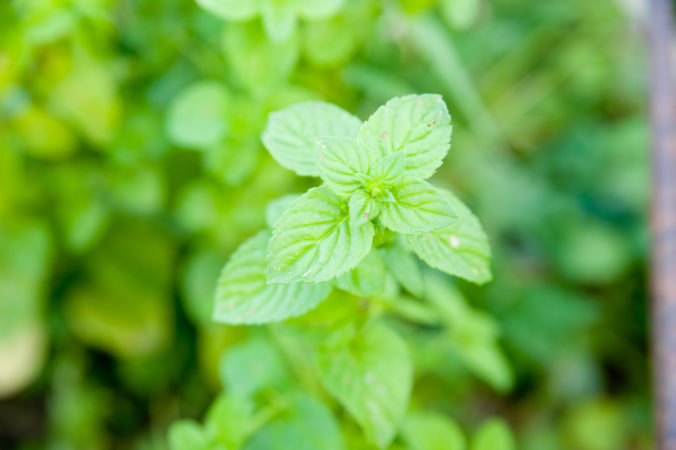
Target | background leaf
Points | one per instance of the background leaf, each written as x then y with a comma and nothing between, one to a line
318,9
252,367
363,207
403,265
493,434
197,117
231,9
187,435
306,425
291,134
371,376
418,125
243,295
428,431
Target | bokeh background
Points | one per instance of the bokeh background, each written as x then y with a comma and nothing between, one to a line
118,210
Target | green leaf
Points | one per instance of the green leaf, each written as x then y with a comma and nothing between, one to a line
127,320
486,360
428,431
255,61
415,206
314,240
291,134
235,10
460,14
197,116
543,321
371,377
279,20
251,367
343,163
459,249
472,334
418,125
368,278
591,252
243,295
331,42
363,207
277,207
404,267
306,425
232,160
198,285
388,171
494,434
229,419
187,435
318,9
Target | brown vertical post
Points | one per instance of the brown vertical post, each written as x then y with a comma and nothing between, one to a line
663,112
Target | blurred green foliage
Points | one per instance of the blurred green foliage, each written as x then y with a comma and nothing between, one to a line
131,167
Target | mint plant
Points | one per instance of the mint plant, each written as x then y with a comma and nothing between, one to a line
342,256
374,196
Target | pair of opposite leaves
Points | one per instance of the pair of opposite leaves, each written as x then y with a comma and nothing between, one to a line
373,177
370,171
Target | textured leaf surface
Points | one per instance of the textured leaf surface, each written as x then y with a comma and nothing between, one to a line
197,117
416,206
418,125
343,163
243,295
230,9
318,9
363,207
494,434
314,240
291,134
371,377
277,207
388,171
459,249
